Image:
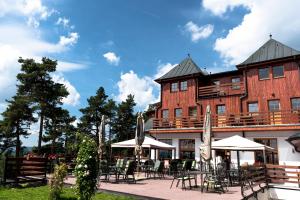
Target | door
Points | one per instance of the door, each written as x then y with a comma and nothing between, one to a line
274,111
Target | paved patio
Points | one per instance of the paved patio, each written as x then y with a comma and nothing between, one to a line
160,189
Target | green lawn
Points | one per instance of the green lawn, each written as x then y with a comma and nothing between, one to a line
42,193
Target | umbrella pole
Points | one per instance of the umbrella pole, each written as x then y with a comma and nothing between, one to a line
239,167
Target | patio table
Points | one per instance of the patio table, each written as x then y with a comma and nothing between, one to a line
201,173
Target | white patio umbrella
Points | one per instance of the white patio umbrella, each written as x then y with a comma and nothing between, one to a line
100,134
148,143
238,143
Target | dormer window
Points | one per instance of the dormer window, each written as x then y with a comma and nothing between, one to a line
183,85
174,87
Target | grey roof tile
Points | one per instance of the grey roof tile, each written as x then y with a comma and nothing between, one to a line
186,67
272,49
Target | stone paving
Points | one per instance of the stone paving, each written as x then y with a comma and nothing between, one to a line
160,189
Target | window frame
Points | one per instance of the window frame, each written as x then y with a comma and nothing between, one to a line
279,107
252,102
171,87
282,76
218,109
162,113
291,100
235,85
276,152
261,79
175,112
180,84
195,108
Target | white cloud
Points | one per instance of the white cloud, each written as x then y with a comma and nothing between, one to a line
63,21
71,39
144,89
63,66
162,69
73,98
140,87
219,7
197,32
33,10
112,58
269,16
19,40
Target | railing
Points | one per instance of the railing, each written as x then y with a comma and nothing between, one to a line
283,174
222,90
232,120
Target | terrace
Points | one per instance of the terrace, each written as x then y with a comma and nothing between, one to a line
285,119
226,89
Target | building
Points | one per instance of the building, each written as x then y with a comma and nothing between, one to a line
260,100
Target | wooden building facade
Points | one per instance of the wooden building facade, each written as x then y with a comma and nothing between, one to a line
259,100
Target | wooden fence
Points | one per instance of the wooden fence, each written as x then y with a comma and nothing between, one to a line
283,174
23,170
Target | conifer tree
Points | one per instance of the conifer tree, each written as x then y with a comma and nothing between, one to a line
16,120
35,82
125,121
92,114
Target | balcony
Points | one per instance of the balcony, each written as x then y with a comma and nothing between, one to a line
227,89
258,119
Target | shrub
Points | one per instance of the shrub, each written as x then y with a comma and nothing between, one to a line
86,170
57,181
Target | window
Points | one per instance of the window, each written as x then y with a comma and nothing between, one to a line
236,83
187,148
295,103
165,154
174,87
165,114
178,112
183,85
221,109
253,107
274,105
271,157
278,71
263,73
193,111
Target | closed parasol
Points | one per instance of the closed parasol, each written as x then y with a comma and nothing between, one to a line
205,147
139,135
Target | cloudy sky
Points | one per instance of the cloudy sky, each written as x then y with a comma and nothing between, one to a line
124,45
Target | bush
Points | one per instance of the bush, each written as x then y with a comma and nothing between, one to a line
57,181
86,170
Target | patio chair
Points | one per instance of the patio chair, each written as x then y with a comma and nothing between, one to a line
116,169
158,169
194,165
173,168
183,176
128,171
148,165
104,170
217,181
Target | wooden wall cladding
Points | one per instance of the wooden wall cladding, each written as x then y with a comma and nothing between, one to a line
282,89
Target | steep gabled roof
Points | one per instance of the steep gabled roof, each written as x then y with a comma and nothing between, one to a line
186,67
271,50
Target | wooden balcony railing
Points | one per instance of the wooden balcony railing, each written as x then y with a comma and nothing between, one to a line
232,120
222,90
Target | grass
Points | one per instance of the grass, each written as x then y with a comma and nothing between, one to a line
42,193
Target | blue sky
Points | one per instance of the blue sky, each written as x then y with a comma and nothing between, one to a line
124,45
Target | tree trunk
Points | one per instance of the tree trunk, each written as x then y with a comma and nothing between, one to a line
40,133
18,144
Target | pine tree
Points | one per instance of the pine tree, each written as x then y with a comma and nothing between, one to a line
92,114
16,120
125,121
58,126
36,83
